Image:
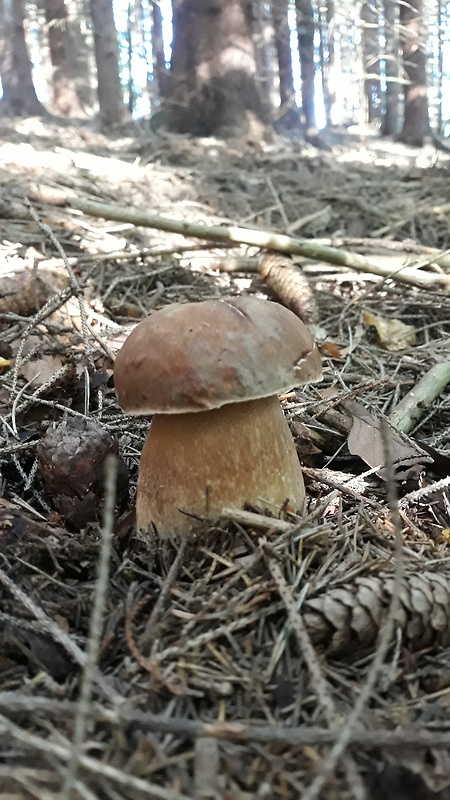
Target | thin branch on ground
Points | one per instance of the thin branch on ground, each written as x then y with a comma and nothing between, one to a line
95,626
269,240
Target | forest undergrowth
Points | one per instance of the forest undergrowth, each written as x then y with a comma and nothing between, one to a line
272,656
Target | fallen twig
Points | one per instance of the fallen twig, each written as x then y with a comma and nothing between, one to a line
337,751
33,742
413,737
269,240
414,404
95,629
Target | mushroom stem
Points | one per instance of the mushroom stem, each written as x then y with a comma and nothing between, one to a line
229,456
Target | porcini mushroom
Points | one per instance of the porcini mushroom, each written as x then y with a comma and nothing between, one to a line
210,373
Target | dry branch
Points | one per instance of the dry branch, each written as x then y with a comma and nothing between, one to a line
415,738
260,238
414,405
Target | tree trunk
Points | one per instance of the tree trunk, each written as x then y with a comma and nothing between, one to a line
391,117
370,36
159,59
112,108
289,117
441,23
19,94
330,74
305,28
211,87
263,39
67,73
413,40
129,39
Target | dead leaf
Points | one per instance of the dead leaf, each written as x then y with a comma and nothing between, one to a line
391,333
365,441
41,370
330,350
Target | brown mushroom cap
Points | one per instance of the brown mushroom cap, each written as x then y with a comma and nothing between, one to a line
199,356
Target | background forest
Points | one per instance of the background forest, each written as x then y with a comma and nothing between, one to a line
231,65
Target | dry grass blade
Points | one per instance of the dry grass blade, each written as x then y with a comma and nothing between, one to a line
316,673
301,634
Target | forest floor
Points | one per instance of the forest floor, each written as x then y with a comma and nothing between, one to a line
268,658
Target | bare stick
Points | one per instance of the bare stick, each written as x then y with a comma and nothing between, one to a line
267,239
301,634
337,751
256,520
76,288
414,404
312,661
95,625
413,737
94,765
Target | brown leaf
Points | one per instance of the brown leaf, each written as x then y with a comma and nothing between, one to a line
391,333
39,371
14,526
331,350
365,441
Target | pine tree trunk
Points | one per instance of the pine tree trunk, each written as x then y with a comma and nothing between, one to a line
19,94
263,39
112,108
66,68
159,60
442,45
370,36
211,87
413,40
289,116
391,118
305,28
330,74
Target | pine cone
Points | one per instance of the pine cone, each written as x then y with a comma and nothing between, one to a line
290,285
349,617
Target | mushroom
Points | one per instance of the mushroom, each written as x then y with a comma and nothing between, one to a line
210,373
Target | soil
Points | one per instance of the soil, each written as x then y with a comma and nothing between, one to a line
271,656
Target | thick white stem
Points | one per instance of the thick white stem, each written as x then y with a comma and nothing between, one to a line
200,462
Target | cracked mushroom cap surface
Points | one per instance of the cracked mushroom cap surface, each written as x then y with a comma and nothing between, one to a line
191,357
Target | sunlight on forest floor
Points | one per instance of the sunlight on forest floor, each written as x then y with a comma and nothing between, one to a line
205,644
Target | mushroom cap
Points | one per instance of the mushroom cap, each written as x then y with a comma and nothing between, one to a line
199,356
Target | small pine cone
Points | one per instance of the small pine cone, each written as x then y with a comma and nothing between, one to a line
347,618
290,285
